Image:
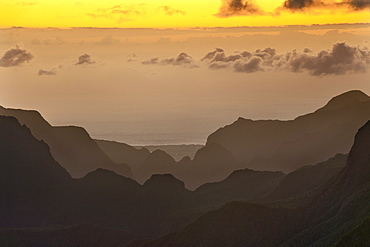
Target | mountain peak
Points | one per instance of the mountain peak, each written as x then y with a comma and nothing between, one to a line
345,99
164,181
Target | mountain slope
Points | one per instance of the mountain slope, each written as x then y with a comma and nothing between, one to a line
306,140
71,146
32,183
318,218
307,178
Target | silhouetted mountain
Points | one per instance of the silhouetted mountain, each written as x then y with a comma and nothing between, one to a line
308,139
307,178
71,146
245,185
37,192
320,217
177,151
212,163
122,153
31,181
82,235
157,162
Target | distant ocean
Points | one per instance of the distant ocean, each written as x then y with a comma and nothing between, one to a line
144,133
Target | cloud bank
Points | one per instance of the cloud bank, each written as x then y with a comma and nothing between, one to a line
341,59
182,59
15,57
248,7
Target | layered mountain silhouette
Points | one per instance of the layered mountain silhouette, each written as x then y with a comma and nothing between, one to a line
71,146
319,217
306,140
259,145
40,202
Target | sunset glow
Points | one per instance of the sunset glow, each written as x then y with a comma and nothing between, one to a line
165,14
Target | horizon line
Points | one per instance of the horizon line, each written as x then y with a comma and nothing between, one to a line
193,28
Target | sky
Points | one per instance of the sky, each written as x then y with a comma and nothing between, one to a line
164,72
180,13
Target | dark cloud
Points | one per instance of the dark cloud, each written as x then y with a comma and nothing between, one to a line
305,5
249,66
238,7
171,11
341,59
47,72
182,59
15,57
299,4
211,54
84,59
359,4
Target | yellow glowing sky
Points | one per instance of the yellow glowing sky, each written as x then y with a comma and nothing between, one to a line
152,14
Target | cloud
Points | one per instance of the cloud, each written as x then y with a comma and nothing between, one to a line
84,59
238,7
211,54
249,66
46,72
171,11
300,4
359,4
154,60
305,5
341,59
15,57
182,59
121,13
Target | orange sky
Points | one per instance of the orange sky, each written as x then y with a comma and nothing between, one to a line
167,14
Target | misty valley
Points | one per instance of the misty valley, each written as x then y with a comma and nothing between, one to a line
300,182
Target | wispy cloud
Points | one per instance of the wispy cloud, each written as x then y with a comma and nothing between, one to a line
171,11
25,3
120,13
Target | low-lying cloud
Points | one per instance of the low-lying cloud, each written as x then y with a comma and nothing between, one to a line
341,59
46,72
182,59
84,59
15,57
